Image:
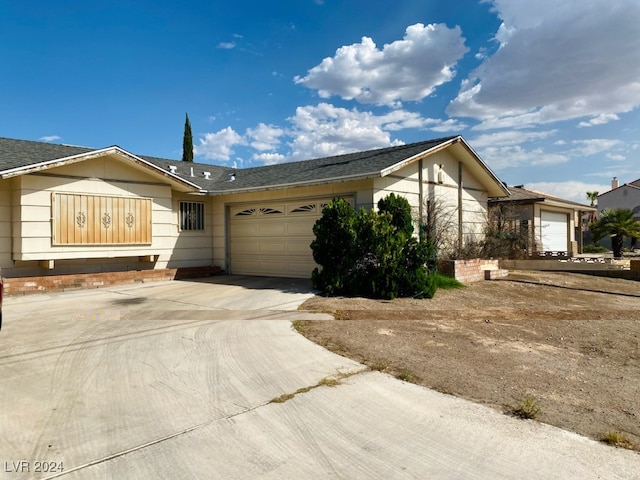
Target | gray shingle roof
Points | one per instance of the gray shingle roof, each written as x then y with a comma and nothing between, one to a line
352,166
20,153
521,195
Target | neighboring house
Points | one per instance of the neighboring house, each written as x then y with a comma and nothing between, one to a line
66,209
551,223
625,196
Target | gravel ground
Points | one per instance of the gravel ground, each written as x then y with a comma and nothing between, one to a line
571,342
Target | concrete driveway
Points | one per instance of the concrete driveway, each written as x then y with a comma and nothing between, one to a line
175,380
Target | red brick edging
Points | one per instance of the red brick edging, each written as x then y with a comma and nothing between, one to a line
48,283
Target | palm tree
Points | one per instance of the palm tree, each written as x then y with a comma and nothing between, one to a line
616,223
593,196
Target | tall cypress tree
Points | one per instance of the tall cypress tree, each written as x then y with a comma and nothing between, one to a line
187,141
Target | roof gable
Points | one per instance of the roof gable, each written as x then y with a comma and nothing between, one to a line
21,157
635,185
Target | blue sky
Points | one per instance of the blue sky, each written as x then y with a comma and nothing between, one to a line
545,91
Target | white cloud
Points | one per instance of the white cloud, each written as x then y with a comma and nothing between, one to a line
325,130
405,70
50,138
501,157
509,138
451,125
556,61
218,145
600,120
616,157
269,158
264,137
507,149
227,45
584,148
570,190
316,131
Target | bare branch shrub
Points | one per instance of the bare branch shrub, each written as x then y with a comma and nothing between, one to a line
504,234
439,226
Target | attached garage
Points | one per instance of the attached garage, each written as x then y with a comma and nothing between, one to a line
554,229
274,238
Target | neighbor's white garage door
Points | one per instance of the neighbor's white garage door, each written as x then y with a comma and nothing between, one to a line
273,239
555,226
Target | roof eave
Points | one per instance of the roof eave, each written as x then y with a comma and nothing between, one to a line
573,205
81,157
308,183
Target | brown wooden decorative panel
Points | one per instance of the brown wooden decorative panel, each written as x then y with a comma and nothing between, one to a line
100,220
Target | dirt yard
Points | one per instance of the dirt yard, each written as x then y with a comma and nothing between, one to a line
569,341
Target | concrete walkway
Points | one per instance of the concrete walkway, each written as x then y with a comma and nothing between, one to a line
175,380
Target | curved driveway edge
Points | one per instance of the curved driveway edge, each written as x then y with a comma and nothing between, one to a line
174,380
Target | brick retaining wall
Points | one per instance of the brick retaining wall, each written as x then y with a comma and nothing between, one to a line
48,283
473,270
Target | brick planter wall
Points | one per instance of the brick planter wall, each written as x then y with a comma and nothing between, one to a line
466,271
48,283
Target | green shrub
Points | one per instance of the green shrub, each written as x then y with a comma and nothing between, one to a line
594,248
371,254
333,246
400,211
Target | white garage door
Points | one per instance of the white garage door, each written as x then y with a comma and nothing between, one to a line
554,231
273,239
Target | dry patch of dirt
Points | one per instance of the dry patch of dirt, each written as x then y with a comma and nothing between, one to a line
570,341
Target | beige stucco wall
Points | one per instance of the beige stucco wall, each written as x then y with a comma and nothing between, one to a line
25,219
440,173
189,248
362,191
5,223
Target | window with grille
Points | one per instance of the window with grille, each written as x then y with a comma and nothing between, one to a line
191,216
